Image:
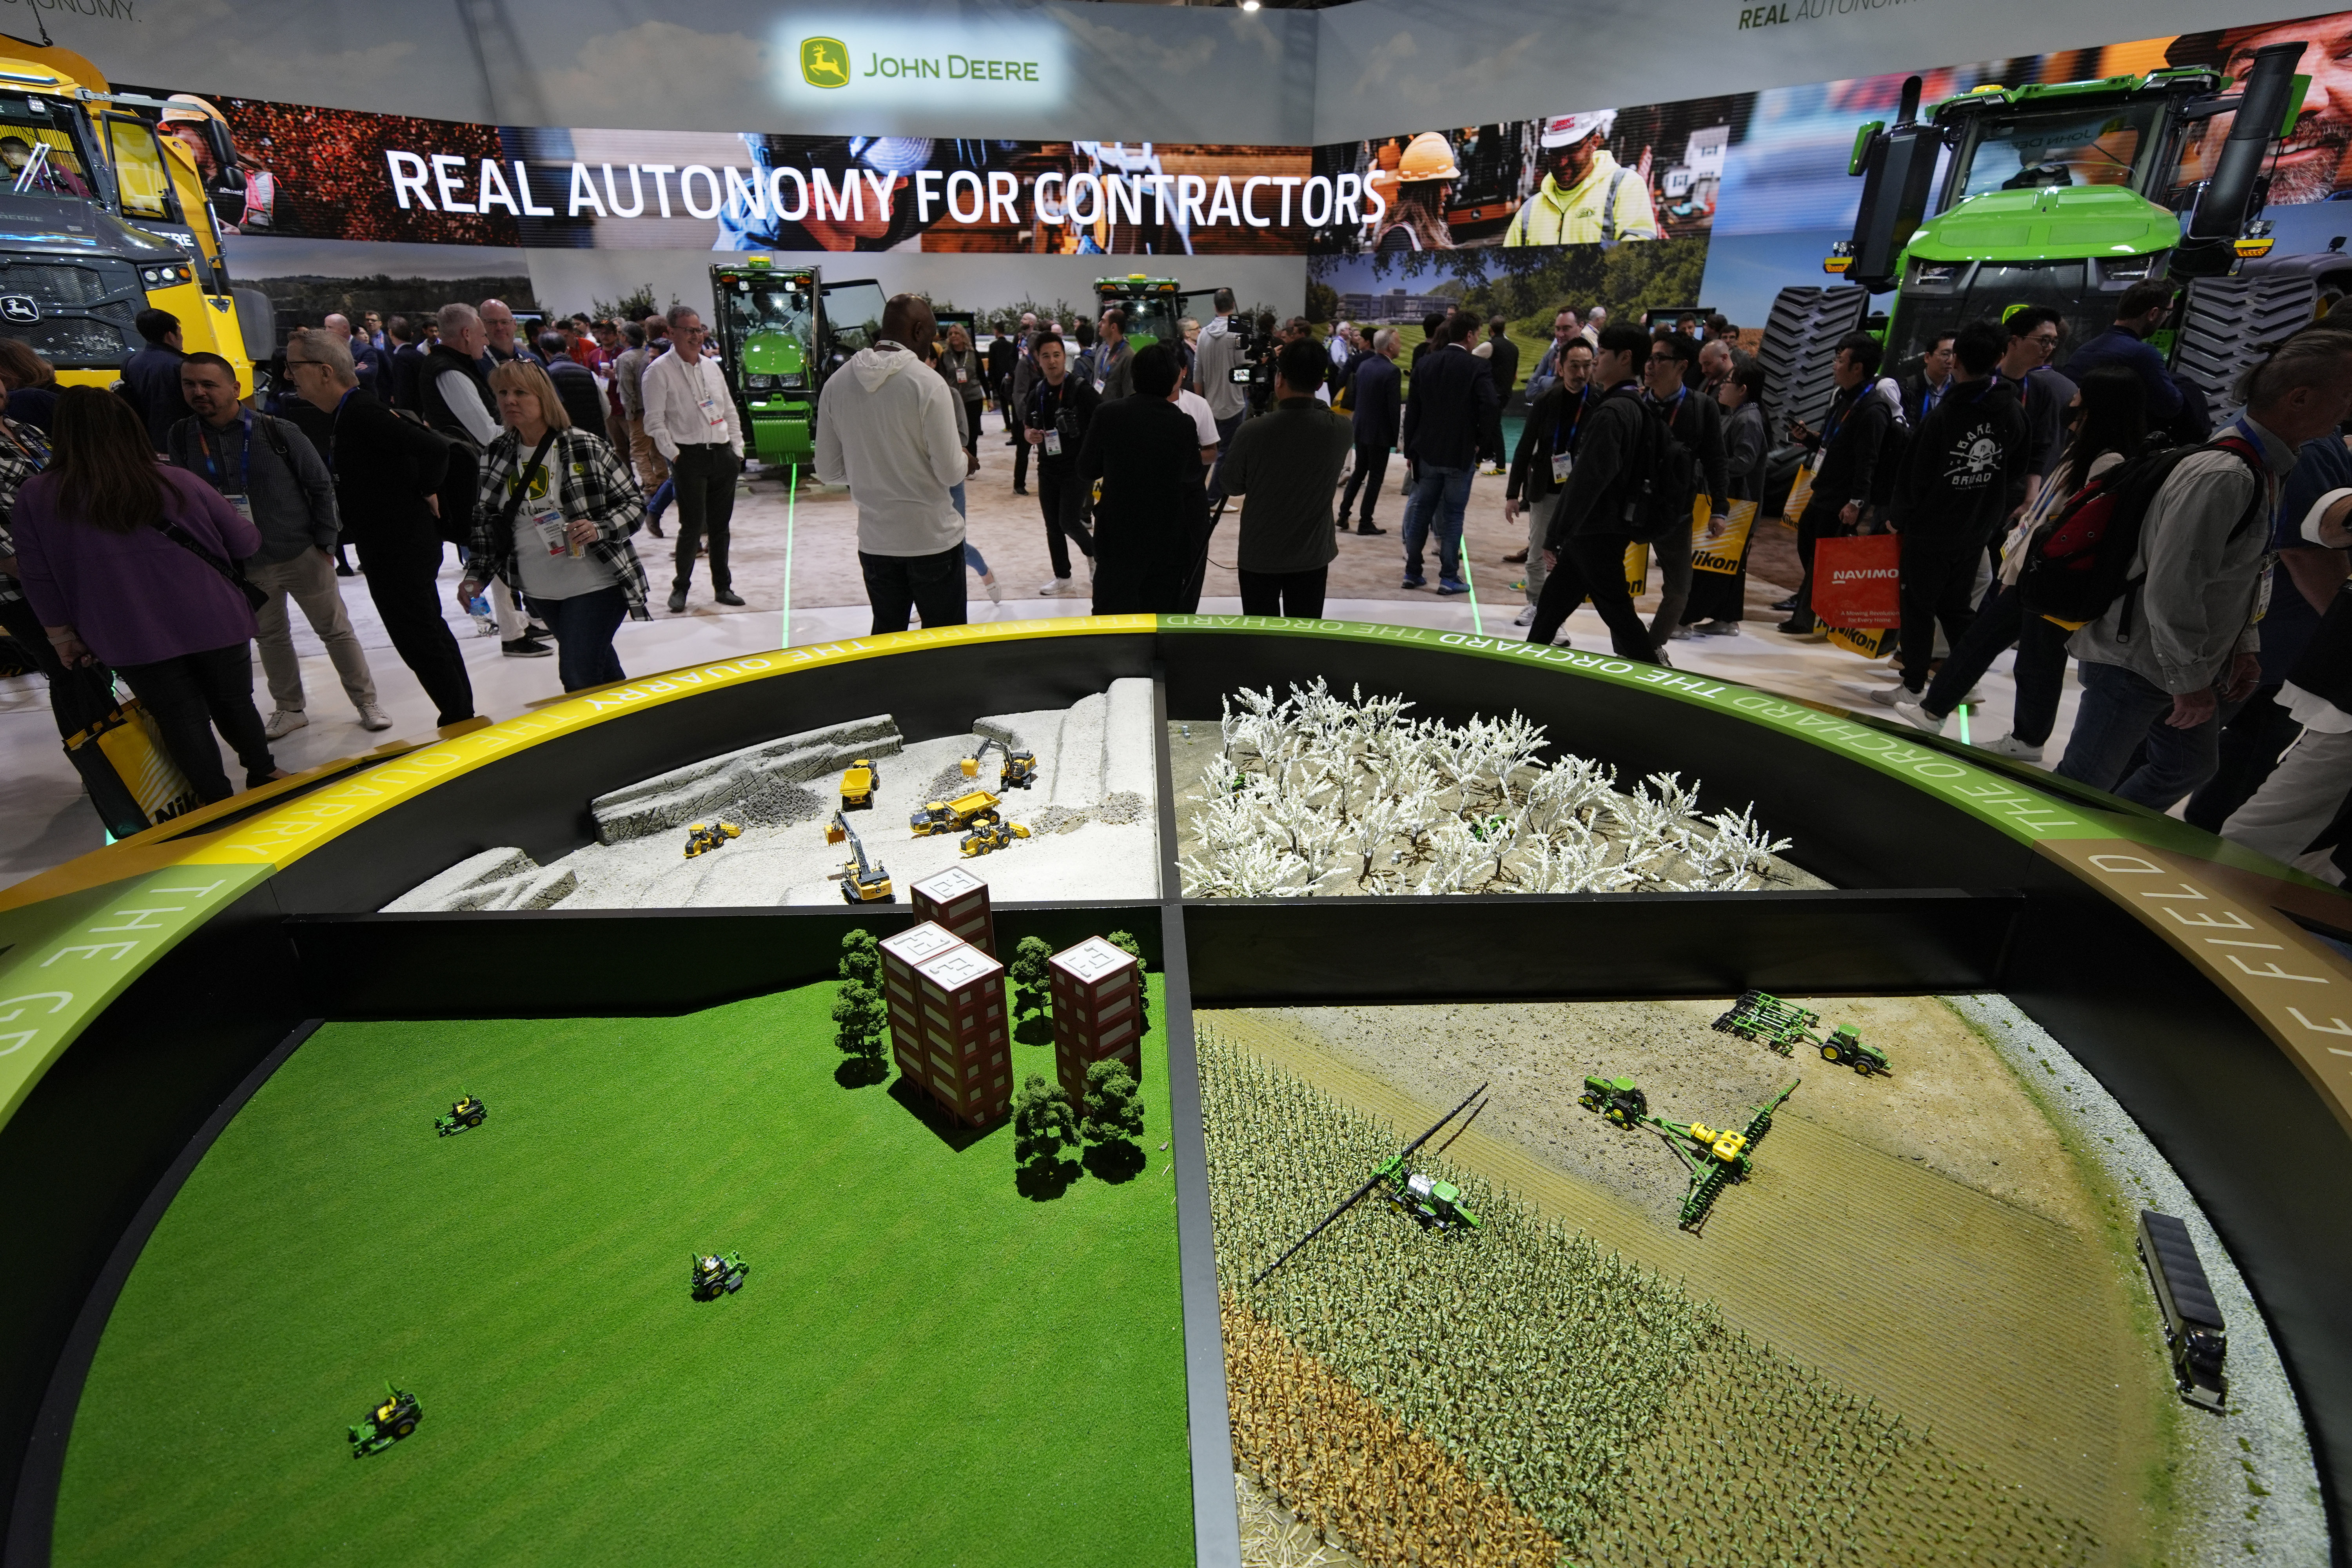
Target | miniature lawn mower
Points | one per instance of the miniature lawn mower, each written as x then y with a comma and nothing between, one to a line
1020,770
716,1274
393,1419
701,839
1618,1100
987,836
859,785
465,1112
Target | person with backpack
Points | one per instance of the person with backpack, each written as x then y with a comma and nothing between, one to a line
1846,461
1694,421
2288,818
270,472
1612,497
1545,458
2107,424
1963,475
388,470
2168,588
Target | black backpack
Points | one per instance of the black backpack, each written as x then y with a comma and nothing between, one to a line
1660,479
2079,561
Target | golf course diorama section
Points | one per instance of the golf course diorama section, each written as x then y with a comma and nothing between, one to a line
936,1354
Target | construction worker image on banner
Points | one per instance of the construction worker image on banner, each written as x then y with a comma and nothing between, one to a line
1586,196
1415,192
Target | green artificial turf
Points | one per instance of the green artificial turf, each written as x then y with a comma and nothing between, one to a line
925,1366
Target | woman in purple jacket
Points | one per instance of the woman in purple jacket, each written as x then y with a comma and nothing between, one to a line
130,562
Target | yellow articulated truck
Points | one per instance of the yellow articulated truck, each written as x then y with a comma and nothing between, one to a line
103,213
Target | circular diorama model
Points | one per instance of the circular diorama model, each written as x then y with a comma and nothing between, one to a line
1195,1090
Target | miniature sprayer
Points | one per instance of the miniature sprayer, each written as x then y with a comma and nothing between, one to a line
1782,1027
1435,1204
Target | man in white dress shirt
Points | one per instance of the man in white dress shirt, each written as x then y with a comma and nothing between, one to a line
691,418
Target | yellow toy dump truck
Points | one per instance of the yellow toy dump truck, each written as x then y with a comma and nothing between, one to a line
955,816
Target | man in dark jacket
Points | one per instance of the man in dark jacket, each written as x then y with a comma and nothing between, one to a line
1846,460
1061,406
402,361
1016,414
575,385
1376,410
2139,313
1696,421
1451,399
1585,542
388,472
1286,462
1924,388
151,378
1546,456
1154,515
1963,475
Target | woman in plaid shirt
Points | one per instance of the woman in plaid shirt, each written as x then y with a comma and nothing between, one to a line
557,527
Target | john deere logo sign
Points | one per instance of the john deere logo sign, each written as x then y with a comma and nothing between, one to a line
825,62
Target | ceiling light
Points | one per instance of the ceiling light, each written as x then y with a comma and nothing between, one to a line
1249,4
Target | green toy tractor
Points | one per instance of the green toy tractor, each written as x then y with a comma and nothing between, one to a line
1431,1204
464,1112
1846,1049
1618,1100
394,1417
718,1274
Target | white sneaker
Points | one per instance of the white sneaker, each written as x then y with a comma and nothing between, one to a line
1910,709
372,717
1059,588
2011,746
284,722
1681,634
1526,617
1893,695
995,590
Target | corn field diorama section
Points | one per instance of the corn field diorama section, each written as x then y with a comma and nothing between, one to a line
1320,795
1509,1394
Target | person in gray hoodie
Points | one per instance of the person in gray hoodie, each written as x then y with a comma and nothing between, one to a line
267,470
886,427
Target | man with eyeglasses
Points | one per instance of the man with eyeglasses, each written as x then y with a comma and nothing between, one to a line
2034,335
1696,421
690,415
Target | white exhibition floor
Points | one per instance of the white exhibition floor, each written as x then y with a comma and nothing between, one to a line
44,820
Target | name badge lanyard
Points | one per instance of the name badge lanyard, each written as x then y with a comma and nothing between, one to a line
212,469
1563,458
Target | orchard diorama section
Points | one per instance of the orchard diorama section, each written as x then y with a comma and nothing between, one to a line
817,1272
1624,1283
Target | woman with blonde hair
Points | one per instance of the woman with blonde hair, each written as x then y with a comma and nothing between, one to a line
554,517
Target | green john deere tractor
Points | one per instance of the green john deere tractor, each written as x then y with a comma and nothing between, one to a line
1617,1099
2062,194
1155,307
778,332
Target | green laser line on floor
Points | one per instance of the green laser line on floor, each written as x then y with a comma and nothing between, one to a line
792,497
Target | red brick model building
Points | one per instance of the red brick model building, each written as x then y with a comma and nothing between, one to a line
957,902
948,1021
1098,994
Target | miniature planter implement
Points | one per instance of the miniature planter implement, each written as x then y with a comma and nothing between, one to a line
1716,1156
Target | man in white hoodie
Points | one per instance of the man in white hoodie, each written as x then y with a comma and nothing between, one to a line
886,427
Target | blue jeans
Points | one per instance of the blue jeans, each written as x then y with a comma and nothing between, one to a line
1440,497
583,625
2121,709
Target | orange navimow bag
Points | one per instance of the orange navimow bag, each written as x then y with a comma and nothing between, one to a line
1856,582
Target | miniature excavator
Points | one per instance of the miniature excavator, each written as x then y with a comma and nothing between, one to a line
464,1111
703,837
394,1418
1618,1100
1782,1027
1431,1204
1020,770
862,881
718,1274
955,816
989,837
858,783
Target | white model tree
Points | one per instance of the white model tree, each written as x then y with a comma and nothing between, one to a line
1317,793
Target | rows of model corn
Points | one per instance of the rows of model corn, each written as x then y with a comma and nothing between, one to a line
1509,1392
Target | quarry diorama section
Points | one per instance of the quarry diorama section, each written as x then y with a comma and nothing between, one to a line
972,1112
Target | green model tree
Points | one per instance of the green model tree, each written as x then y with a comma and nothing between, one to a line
861,959
1113,1107
1033,981
1125,941
858,1016
1042,1122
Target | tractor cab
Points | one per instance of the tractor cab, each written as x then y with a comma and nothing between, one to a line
778,332
1156,307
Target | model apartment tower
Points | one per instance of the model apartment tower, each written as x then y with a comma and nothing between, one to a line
946,1002
957,902
1098,994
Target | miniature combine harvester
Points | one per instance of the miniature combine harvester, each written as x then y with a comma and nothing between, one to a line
862,881
464,1112
1020,770
702,838
393,1419
1782,1027
1432,1204
718,1274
